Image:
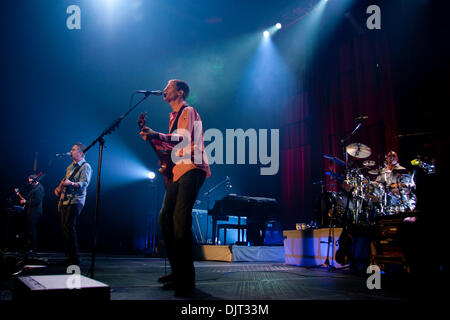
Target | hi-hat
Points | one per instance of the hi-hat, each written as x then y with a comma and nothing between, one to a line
358,150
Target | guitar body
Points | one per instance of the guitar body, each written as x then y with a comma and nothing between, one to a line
344,253
165,162
58,189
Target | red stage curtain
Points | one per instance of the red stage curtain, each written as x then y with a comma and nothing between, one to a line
351,79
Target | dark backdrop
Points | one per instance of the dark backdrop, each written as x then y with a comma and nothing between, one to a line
61,86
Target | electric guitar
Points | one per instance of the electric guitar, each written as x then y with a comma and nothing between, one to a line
60,190
17,191
165,162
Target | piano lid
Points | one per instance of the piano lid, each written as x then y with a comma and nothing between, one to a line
233,204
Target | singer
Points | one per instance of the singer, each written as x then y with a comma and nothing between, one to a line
183,185
72,196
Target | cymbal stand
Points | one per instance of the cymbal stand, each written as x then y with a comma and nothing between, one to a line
343,146
330,241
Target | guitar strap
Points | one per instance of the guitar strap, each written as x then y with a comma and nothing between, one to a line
76,170
175,123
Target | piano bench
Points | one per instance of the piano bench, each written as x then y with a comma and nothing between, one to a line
226,226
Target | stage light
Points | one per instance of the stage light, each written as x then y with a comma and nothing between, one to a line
266,34
151,175
278,25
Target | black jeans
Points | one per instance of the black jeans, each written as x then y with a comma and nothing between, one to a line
69,215
32,232
175,221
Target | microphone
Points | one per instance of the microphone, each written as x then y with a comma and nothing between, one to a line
362,118
63,154
147,92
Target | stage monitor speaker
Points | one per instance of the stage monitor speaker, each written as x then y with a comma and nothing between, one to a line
58,287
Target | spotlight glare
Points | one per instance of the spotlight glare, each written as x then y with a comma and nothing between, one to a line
151,175
278,25
266,34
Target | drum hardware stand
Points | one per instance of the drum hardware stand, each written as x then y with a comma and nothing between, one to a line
343,146
330,242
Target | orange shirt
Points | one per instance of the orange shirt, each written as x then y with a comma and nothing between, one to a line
193,155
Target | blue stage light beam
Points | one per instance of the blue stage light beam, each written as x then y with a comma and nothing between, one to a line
151,175
267,80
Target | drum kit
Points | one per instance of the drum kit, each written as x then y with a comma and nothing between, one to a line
367,192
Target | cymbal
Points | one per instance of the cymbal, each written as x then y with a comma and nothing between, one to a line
334,159
368,163
358,150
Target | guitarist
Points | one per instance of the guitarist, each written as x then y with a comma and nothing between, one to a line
33,206
184,179
72,196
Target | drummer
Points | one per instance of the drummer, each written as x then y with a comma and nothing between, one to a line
390,172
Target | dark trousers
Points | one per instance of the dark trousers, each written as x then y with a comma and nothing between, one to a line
175,221
69,215
32,222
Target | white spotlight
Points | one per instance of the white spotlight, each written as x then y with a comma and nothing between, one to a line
278,25
266,34
151,175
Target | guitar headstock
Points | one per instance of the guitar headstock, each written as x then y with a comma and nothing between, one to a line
142,120
16,190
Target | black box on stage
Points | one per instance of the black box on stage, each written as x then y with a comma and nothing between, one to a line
60,287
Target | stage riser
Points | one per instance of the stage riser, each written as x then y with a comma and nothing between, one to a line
240,253
309,247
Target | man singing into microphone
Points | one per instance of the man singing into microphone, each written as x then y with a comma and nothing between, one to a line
72,196
183,184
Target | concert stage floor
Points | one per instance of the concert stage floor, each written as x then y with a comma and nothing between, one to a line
135,278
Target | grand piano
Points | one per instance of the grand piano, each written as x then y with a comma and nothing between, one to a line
257,210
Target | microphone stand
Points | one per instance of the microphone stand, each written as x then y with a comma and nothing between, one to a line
101,142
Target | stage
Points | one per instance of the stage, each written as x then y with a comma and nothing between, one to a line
135,278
